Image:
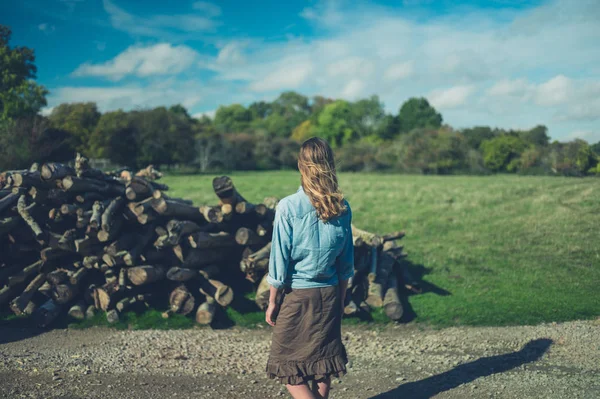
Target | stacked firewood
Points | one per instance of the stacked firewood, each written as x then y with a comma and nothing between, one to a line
76,240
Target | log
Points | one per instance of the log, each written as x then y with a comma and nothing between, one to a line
206,311
150,173
126,303
140,275
222,293
77,277
96,218
204,240
256,262
176,229
112,233
181,300
123,243
57,277
106,296
109,215
391,301
245,236
26,215
78,311
177,210
245,207
226,191
181,274
374,293
25,274
112,316
19,304
271,202
262,294
90,312
138,188
198,258
212,214
7,293
55,171
133,255
29,179
64,293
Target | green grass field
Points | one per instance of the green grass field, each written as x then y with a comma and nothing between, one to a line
509,249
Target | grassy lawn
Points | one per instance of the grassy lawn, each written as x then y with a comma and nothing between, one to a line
508,249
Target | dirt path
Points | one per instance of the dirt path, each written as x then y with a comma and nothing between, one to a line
545,361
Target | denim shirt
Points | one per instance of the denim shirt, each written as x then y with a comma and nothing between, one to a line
305,251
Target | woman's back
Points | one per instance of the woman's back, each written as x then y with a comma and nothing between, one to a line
317,253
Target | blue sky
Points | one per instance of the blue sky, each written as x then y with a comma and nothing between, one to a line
504,63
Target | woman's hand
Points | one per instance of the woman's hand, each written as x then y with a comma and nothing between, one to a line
271,311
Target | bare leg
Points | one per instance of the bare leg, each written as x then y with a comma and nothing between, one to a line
301,391
321,389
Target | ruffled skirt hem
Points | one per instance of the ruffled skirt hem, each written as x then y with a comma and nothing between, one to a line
298,372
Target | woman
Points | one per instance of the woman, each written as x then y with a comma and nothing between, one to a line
312,258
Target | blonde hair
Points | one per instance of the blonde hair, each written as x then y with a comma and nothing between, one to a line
319,179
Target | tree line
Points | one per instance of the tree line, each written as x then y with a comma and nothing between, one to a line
267,135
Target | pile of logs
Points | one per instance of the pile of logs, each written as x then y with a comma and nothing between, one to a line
76,240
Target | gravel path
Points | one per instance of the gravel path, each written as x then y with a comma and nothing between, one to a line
544,361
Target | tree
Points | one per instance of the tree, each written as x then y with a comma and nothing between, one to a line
368,117
596,148
417,113
115,124
80,120
20,96
502,153
232,118
478,134
335,124
537,136
303,132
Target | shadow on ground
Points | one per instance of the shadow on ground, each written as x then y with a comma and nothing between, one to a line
465,373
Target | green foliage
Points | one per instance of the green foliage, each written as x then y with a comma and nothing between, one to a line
417,113
537,136
20,96
433,151
335,124
26,140
478,134
502,153
233,118
80,120
303,132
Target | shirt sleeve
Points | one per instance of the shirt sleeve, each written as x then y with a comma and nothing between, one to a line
346,257
281,248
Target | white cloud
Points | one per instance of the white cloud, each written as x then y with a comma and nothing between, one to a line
556,91
159,59
353,89
450,98
285,78
209,9
591,137
210,114
161,26
129,97
399,71
511,88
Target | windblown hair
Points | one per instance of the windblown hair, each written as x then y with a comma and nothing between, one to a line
319,179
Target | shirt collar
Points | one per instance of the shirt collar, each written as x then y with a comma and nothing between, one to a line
300,189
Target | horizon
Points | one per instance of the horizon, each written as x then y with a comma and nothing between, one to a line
509,64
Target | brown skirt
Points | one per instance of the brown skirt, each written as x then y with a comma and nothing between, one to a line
306,342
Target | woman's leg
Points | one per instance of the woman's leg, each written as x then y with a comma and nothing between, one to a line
301,391
321,388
